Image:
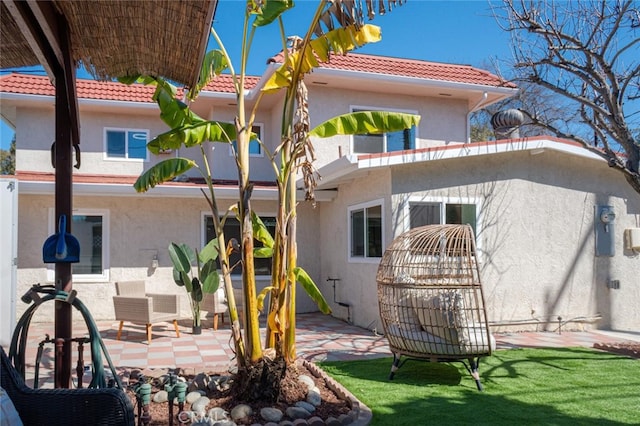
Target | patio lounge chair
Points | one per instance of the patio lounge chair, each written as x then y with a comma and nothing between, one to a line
430,298
134,305
216,304
68,407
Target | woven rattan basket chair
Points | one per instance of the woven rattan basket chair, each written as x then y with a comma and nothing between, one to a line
430,298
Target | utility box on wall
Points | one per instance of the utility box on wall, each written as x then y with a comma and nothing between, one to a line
605,231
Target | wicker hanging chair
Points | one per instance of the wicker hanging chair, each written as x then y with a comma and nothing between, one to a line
430,298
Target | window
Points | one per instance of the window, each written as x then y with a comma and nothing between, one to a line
366,236
232,230
126,144
387,142
91,229
431,213
255,149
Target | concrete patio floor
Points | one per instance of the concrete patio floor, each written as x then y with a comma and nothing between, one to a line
319,338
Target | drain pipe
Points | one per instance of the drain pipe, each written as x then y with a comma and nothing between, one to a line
476,107
345,305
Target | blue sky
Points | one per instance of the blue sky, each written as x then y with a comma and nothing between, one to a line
461,32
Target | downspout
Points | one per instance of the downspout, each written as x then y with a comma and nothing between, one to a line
476,107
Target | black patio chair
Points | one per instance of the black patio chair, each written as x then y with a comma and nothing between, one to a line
69,407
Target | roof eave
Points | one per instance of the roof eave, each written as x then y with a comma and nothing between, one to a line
349,167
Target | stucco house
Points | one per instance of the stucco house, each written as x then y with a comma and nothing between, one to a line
535,203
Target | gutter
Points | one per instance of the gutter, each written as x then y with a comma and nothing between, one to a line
348,165
331,72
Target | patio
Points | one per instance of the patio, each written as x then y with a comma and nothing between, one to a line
319,338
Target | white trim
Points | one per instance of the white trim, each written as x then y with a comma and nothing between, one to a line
364,206
86,278
105,153
354,108
346,166
415,81
443,201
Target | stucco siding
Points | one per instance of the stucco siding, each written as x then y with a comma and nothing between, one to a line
356,285
35,132
443,120
536,235
139,229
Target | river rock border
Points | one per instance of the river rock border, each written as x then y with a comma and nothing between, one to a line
360,414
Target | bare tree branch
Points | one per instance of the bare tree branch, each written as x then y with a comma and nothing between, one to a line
586,51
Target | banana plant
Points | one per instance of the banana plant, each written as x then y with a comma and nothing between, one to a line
206,280
336,28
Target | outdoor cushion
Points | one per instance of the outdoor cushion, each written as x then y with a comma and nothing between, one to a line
442,315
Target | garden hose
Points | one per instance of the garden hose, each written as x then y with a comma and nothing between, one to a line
18,346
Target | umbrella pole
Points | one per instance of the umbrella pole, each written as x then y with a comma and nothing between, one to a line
66,130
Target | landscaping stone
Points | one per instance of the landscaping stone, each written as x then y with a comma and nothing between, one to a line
313,397
315,421
308,381
345,419
241,411
304,404
193,397
218,413
271,414
297,413
200,405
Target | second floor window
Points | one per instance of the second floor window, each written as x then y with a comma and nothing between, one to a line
386,142
126,144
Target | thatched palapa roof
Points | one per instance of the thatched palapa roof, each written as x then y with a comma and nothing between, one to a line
115,38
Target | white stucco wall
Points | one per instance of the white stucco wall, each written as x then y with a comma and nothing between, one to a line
139,228
443,121
535,236
357,285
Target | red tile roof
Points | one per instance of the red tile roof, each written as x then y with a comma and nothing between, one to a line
104,90
92,89
412,68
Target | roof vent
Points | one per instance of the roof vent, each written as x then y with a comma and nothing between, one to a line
506,124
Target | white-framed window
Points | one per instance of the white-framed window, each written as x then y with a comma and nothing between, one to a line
232,230
125,144
91,229
386,142
366,231
255,149
420,211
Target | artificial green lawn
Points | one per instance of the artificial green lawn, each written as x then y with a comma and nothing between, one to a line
567,386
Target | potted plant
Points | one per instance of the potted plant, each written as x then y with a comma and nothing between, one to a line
205,280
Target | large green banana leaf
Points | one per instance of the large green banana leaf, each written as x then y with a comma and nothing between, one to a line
312,289
268,11
162,172
365,122
192,135
212,66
